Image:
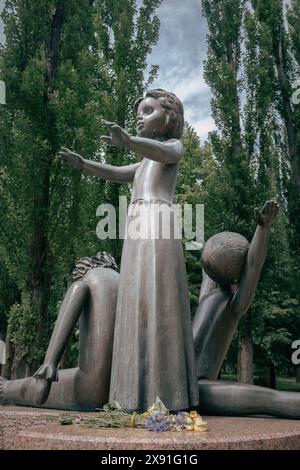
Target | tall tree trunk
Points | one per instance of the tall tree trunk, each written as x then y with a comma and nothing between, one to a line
245,352
40,281
39,251
292,130
286,109
21,368
2,338
236,140
272,376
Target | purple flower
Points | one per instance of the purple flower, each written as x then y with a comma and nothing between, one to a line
159,423
78,419
180,420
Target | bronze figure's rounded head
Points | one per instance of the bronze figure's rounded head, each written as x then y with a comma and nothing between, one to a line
159,114
223,257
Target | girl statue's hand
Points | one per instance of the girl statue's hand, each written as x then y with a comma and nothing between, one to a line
71,158
118,136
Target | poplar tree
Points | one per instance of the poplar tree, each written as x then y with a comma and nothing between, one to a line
253,154
232,196
66,64
280,23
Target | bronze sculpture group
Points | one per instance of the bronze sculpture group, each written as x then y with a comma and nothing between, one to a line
137,340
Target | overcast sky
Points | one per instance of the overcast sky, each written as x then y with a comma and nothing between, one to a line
180,53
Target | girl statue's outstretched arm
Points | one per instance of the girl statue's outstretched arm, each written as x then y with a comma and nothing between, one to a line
119,174
169,151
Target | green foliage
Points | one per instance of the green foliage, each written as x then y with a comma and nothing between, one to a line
194,173
250,83
67,64
22,322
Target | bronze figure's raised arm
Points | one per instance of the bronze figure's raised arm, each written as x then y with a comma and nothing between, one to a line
235,266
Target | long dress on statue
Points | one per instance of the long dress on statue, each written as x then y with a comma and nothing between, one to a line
153,351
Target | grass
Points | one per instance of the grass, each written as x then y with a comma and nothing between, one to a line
284,384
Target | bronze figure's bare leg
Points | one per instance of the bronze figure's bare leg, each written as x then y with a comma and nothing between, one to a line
234,399
87,386
35,390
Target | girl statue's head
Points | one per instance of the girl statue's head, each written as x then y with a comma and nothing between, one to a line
173,108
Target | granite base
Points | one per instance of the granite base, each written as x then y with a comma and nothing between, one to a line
36,429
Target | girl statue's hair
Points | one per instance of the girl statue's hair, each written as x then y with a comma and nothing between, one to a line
172,105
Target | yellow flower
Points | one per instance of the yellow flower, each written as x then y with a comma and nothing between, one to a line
151,409
189,427
194,414
201,427
198,421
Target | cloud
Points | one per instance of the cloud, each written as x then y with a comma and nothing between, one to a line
180,54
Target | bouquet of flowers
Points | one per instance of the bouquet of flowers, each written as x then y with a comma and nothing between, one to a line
157,419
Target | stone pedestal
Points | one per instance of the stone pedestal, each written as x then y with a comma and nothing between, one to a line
35,429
